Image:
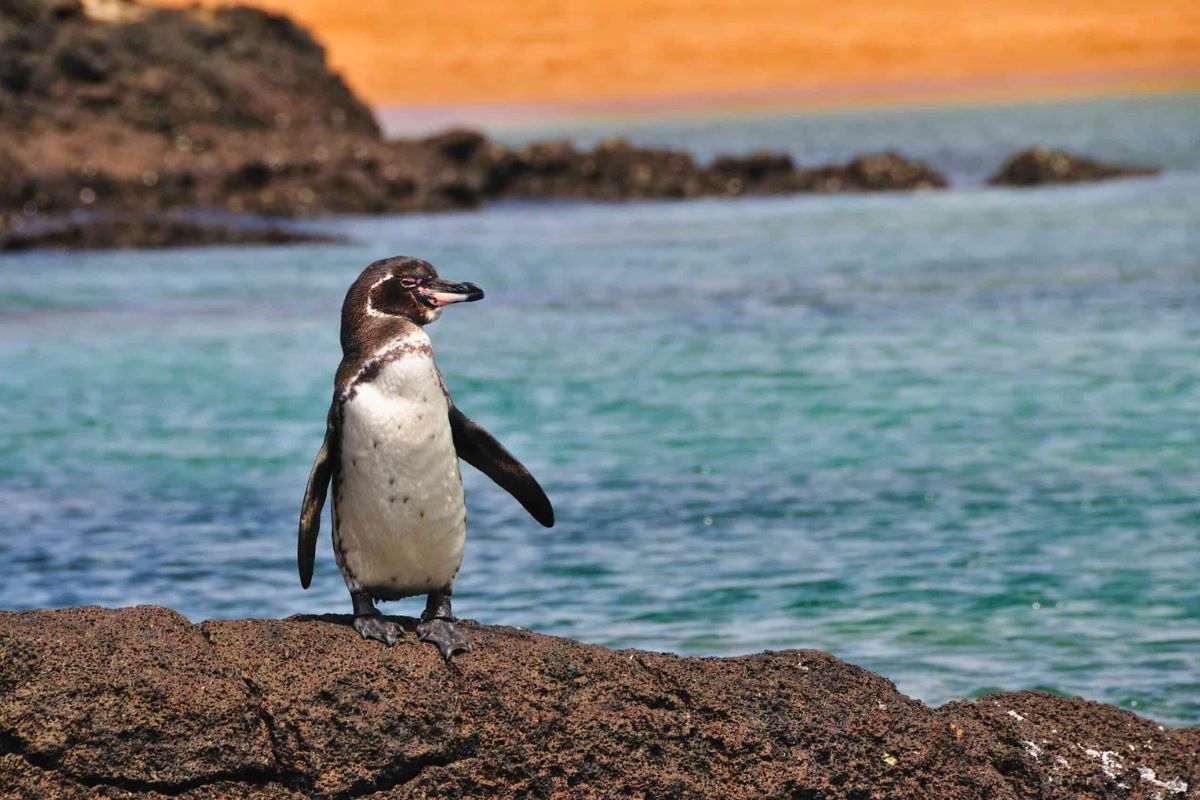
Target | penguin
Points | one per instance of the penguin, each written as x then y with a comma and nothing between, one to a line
393,439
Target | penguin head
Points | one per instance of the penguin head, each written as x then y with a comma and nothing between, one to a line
405,287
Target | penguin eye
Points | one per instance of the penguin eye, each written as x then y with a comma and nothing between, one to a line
409,283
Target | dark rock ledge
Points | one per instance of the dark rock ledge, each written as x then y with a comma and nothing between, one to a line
124,109
141,703
1036,166
149,231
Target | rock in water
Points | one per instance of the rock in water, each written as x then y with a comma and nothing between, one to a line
124,108
140,703
1039,165
145,231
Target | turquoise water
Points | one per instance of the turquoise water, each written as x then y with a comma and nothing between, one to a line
951,437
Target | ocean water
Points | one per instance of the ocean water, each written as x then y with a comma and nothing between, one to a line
952,437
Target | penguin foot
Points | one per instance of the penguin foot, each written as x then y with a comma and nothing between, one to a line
441,632
374,626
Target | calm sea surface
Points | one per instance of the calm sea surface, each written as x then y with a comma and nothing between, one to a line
952,437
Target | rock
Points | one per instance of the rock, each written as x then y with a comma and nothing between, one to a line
880,172
157,231
246,69
98,117
254,174
547,158
141,703
891,171
80,65
1039,165
618,170
758,172
459,145
772,173
613,170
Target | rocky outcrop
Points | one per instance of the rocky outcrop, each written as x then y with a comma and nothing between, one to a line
111,107
275,174
141,703
146,231
615,169
114,66
116,107
1040,165
291,175
881,172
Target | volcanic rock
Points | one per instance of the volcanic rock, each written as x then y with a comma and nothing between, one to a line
761,171
890,171
113,107
139,702
143,231
109,65
774,173
613,170
1039,165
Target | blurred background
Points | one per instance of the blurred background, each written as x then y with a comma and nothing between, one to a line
870,327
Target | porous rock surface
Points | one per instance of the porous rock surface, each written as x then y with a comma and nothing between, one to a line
139,702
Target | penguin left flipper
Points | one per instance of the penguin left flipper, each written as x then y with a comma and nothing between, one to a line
314,501
480,449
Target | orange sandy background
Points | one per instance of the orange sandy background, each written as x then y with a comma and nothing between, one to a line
449,52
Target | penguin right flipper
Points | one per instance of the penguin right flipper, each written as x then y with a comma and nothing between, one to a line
480,449
314,501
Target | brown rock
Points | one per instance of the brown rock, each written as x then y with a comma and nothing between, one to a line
97,115
459,145
891,171
774,173
758,172
1039,165
120,64
86,696
160,231
139,703
879,172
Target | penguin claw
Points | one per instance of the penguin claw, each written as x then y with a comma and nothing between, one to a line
442,633
376,627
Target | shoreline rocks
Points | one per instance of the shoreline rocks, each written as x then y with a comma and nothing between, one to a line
1037,166
279,176
139,702
147,231
114,108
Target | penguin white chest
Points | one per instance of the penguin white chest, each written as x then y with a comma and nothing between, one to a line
400,516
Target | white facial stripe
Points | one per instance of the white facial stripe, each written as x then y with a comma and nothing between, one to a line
371,310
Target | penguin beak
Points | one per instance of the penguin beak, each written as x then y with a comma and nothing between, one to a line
438,293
